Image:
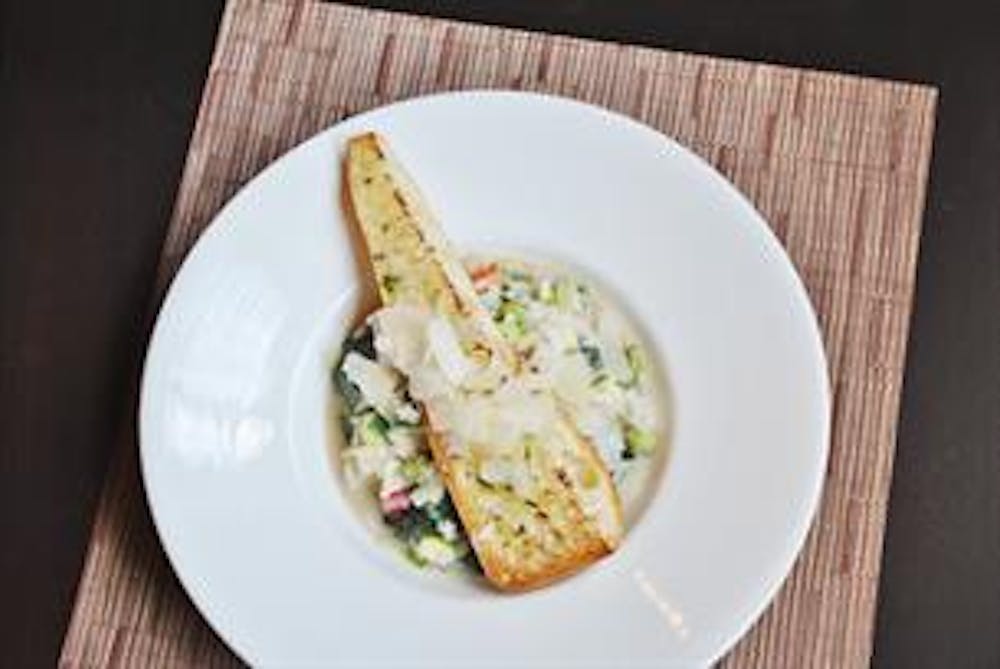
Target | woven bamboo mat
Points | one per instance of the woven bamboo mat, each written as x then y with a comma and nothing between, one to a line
836,163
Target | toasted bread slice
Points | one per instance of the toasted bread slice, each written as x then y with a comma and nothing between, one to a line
568,514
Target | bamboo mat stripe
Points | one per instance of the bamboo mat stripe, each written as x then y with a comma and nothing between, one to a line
836,163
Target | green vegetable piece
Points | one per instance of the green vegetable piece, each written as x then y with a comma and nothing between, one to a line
444,510
546,291
638,441
636,362
601,379
410,553
564,293
380,425
433,548
411,525
374,428
414,469
511,318
592,353
531,446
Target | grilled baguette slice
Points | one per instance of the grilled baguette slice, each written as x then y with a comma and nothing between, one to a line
570,514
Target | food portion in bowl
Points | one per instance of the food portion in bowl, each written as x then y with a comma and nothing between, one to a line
500,406
564,330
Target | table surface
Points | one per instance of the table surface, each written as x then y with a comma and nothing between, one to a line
98,103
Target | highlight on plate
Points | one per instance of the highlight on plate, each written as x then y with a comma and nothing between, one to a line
502,414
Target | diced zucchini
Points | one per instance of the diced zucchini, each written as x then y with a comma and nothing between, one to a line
511,319
434,550
638,441
636,362
564,289
546,291
372,428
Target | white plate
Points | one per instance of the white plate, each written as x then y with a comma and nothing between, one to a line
234,417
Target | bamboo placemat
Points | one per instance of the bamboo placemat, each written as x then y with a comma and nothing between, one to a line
836,163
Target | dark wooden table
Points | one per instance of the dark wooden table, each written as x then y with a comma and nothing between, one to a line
97,101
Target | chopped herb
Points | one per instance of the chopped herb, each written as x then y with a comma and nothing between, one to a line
486,484
444,509
592,354
411,524
531,446
380,424
390,282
